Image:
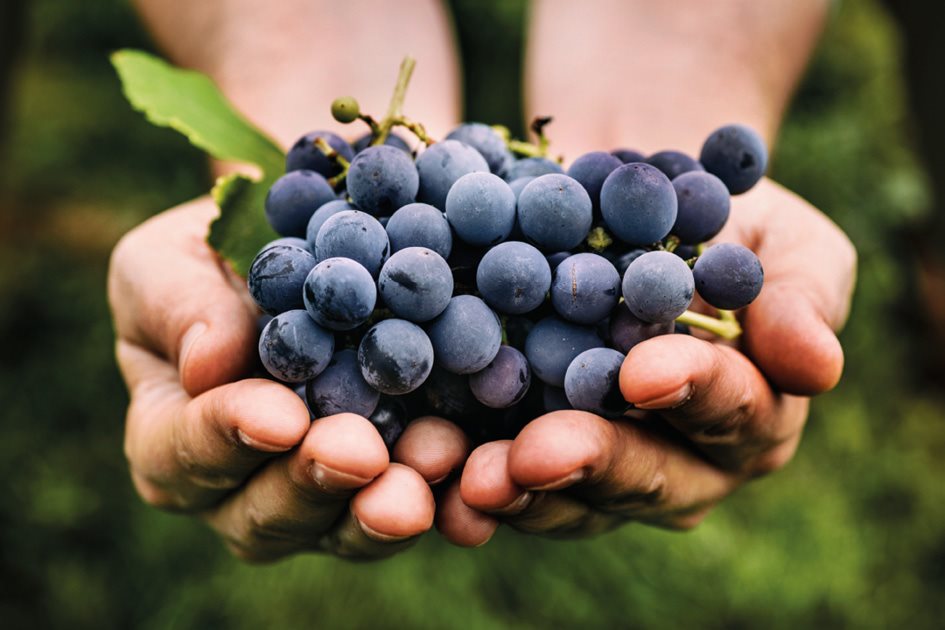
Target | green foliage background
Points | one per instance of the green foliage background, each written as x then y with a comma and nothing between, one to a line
850,534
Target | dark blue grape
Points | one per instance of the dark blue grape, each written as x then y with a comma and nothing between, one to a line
516,331
339,294
466,336
736,155
293,199
585,288
592,382
531,167
481,208
554,399
519,184
674,163
390,419
393,140
626,330
341,388
487,141
355,235
305,155
590,170
554,212
513,278
321,215
687,251
449,395
504,382
420,225
638,203
628,155
658,287
276,277
556,259
441,165
703,202
300,392
294,241
728,276
416,284
623,261
552,345
382,179
293,348
395,357
682,329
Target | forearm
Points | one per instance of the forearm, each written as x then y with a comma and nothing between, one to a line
662,75
282,63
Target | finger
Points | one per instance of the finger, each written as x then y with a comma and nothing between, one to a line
627,468
461,524
433,447
289,505
170,295
714,395
186,453
385,517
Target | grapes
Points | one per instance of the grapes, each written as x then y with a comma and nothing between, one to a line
339,294
554,211
673,163
554,399
736,155
626,330
392,140
420,225
703,206
395,357
592,382
321,215
585,288
517,185
552,345
382,179
591,169
658,287
293,199
531,167
513,278
390,419
341,388
638,203
294,241
441,165
305,155
345,109
628,155
504,381
276,277
293,348
728,276
355,235
416,284
623,260
487,141
466,336
481,208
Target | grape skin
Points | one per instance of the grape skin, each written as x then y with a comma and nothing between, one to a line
321,215
736,155
292,200
390,420
555,212
513,278
481,208
519,184
305,155
626,330
554,398
382,179
487,141
674,163
590,170
339,294
294,241
395,357
392,140
592,382
638,204
416,284
420,225
293,348
504,382
628,155
441,165
532,167
658,287
552,345
276,277
341,388
466,336
728,276
585,288
703,207
355,235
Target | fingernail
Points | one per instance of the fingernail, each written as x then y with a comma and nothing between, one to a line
333,480
255,444
376,535
516,506
670,400
187,343
576,477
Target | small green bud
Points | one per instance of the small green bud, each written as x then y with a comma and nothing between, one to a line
345,109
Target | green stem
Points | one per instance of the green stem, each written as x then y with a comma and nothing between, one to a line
415,128
723,327
599,239
524,148
395,109
336,157
671,243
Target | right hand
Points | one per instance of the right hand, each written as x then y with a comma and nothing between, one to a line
242,454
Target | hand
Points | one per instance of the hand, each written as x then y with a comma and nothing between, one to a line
709,416
242,454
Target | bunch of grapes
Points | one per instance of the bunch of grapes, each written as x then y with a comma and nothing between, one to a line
477,280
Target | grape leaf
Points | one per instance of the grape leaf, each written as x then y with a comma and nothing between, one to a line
191,104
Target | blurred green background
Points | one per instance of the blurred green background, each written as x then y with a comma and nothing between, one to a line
851,534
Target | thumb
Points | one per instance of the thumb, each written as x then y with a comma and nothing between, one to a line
170,294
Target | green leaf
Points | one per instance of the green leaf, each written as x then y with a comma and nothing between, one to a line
241,229
190,103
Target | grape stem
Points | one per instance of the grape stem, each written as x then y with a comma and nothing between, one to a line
671,244
395,111
322,145
599,239
725,326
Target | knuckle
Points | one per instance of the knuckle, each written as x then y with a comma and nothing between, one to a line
687,522
774,460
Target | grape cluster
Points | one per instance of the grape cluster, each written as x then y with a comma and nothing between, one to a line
467,282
